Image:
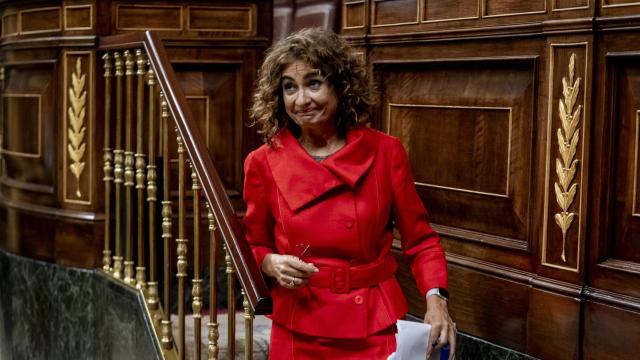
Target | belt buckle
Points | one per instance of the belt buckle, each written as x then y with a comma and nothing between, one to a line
341,280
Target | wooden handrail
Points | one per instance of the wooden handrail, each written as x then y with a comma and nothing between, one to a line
249,274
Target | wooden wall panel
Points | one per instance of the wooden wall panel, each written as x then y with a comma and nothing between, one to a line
30,96
451,10
41,20
553,325
460,122
615,256
150,17
611,332
353,14
213,93
211,18
394,12
564,5
510,7
78,17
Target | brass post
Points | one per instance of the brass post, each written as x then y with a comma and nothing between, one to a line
213,334
140,166
231,307
2,171
196,292
181,243
107,157
128,169
152,193
248,327
118,159
167,337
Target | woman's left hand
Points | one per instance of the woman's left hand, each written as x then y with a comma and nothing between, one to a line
443,329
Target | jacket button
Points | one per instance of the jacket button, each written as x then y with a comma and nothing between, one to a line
348,224
358,300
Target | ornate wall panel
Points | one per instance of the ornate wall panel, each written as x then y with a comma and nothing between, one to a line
40,20
150,17
217,84
229,19
353,14
29,95
78,17
460,123
212,18
616,252
77,129
395,12
565,184
510,7
567,5
451,10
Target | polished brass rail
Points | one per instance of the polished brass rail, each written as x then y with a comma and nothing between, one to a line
141,62
107,157
118,155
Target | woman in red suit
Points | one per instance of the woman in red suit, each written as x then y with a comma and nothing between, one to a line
323,195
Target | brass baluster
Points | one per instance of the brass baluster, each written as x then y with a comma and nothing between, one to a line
140,166
181,243
128,169
248,327
167,337
213,334
2,171
231,307
118,170
152,194
108,168
196,292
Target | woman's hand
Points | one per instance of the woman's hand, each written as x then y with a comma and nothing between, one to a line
443,329
288,270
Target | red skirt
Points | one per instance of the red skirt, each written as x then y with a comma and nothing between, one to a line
286,344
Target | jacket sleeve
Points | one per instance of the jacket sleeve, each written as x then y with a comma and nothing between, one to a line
419,241
258,219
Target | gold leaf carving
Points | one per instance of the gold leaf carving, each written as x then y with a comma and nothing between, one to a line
568,139
76,131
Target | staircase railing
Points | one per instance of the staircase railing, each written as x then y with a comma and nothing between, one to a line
160,108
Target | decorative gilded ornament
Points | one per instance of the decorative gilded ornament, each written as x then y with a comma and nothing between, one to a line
566,165
76,131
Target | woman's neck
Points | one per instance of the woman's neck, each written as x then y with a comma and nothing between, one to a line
321,142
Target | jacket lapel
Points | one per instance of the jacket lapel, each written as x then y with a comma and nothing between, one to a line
300,179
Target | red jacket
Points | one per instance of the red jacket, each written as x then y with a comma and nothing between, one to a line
344,208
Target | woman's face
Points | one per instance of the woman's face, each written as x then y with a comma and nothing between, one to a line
309,99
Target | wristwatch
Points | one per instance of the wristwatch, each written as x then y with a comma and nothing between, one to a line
440,292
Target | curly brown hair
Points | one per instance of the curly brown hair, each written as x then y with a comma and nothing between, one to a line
333,57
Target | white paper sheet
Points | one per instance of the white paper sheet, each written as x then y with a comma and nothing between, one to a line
411,341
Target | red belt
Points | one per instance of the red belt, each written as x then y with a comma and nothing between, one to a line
342,279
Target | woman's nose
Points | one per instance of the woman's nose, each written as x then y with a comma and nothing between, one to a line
302,98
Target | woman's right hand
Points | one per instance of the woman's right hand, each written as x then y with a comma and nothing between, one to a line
288,270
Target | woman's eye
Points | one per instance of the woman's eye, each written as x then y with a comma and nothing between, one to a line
315,84
288,87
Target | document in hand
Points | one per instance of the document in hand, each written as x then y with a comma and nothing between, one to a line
411,341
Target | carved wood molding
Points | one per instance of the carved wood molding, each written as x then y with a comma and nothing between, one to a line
76,132
566,165
78,127
567,100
